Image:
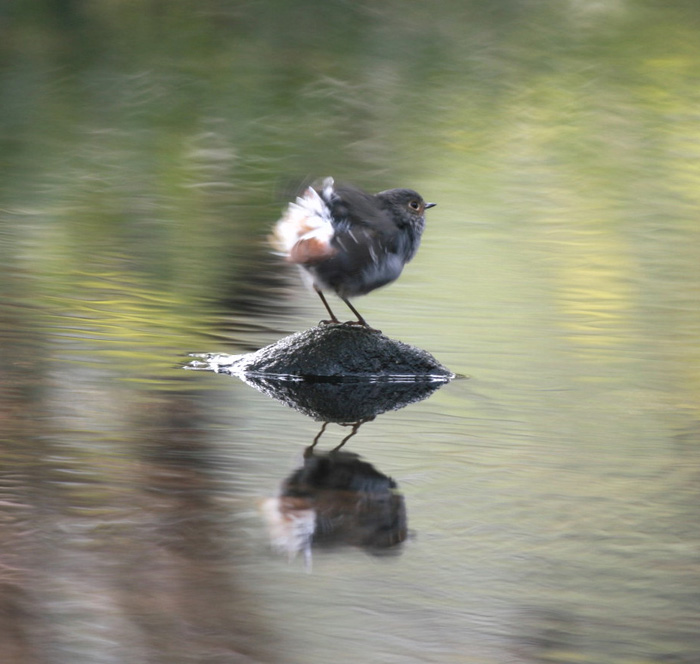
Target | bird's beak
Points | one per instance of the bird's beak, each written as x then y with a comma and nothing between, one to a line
429,205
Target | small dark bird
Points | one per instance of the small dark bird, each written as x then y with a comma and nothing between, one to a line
350,242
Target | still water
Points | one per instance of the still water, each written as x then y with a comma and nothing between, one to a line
542,508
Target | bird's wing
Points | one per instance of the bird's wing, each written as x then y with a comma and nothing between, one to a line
304,232
357,215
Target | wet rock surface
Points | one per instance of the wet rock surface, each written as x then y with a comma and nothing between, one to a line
336,373
339,352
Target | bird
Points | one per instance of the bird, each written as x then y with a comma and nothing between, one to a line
349,242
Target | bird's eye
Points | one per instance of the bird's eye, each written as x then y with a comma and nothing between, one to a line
414,205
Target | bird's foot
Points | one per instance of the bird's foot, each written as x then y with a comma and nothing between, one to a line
361,323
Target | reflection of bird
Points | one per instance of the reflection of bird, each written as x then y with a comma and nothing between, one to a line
350,242
336,498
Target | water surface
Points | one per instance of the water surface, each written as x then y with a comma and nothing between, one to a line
550,497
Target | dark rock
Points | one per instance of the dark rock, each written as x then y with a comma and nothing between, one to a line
339,352
336,373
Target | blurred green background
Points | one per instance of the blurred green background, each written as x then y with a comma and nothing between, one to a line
146,149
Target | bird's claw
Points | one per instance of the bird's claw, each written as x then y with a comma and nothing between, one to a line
360,323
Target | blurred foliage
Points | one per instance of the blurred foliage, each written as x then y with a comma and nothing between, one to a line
159,140
146,147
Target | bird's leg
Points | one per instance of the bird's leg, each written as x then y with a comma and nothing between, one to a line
328,309
355,428
360,319
309,451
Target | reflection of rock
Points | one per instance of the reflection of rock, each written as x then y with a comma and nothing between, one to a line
336,373
336,499
344,401
338,351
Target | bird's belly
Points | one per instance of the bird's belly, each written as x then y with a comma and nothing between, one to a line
359,281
